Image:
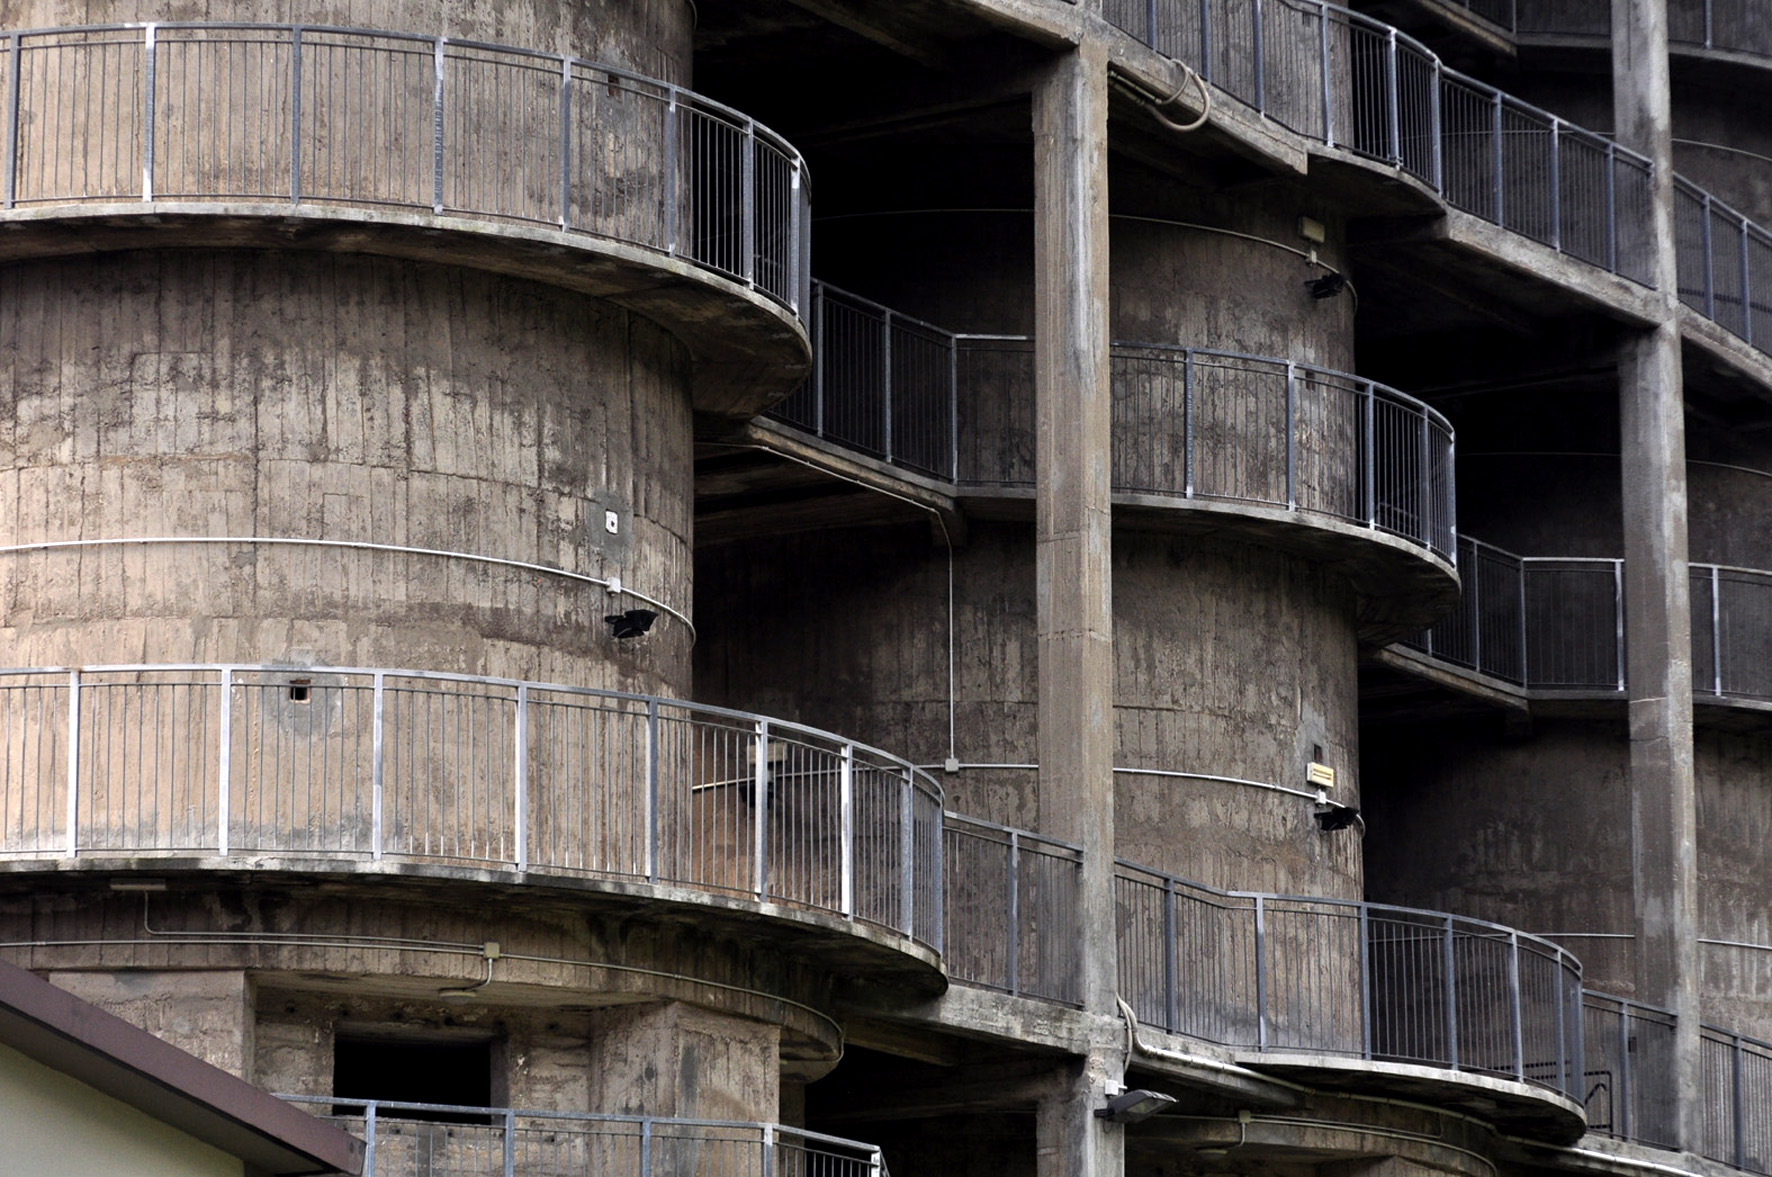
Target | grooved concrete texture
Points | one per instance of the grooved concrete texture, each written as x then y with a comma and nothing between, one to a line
648,36
340,398
1228,659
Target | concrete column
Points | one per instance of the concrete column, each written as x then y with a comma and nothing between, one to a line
673,1059
1658,619
1073,571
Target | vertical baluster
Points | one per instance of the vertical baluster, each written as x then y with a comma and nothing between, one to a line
1517,1019
1438,167
1206,39
1328,96
1500,162
1451,964
1393,101
653,850
886,385
1738,1107
672,166
510,1157
565,151
1291,436
846,786
953,409
1556,185
295,115
437,57
793,277
369,1139
1716,632
1624,1117
1014,908
760,804
1187,418
1747,301
1260,63
1170,949
73,763
1710,263
148,56
15,59
377,778
1618,615
520,779
748,203
907,865
1260,973
1365,953
224,760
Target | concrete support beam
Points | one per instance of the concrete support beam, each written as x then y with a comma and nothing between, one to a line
1073,570
1658,620
673,1059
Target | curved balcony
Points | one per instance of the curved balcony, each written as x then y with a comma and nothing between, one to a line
1631,1087
341,770
1555,627
230,124
1302,982
1192,427
1351,82
414,1138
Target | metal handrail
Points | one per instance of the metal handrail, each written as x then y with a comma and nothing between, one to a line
1295,974
1349,81
196,112
546,779
1188,423
1011,910
520,1141
1557,624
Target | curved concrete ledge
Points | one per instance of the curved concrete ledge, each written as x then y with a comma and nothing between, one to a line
1507,1103
749,349
845,946
1400,583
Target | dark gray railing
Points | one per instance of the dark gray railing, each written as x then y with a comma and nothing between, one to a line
1349,81
421,1139
1188,423
1287,974
1553,624
345,764
311,115
1011,910
1729,26
1630,1083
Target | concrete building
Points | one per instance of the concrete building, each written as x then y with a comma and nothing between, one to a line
1238,580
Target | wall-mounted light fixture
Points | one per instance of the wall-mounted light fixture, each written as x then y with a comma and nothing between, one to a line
1332,817
1129,1107
1328,286
632,624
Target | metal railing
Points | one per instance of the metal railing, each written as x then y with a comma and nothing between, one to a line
1730,26
1725,264
311,115
1188,423
1631,1083
1011,910
1287,974
1349,81
419,1140
369,765
1556,624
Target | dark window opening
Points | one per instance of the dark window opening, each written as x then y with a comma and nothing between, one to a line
1317,753
298,689
397,1070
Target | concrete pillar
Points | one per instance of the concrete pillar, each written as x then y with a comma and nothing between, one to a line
1658,620
672,1059
1073,574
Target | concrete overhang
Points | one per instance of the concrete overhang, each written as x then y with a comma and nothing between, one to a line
130,1065
1512,1106
843,946
749,350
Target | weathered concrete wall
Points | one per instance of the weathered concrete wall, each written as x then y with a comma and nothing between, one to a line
1535,833
205,1012
649,36
1229,660
1531,833
336,398
1174,280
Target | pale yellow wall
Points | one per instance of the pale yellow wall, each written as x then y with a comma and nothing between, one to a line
50,1123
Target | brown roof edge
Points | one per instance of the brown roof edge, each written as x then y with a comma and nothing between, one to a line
127,1063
